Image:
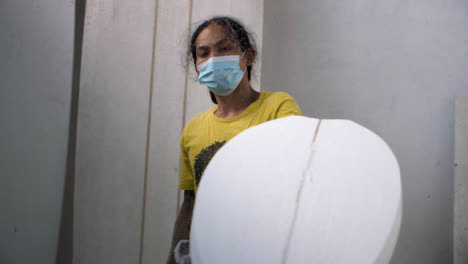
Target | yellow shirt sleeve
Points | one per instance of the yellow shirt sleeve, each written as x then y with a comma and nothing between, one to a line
288,107
186,179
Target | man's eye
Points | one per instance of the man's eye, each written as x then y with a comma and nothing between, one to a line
203,54
226,48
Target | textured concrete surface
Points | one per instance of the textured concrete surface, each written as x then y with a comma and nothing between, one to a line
36,52
460,224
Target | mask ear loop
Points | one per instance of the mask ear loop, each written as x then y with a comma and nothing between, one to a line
241,58
242,54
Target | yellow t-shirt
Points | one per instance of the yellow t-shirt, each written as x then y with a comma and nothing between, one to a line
206,133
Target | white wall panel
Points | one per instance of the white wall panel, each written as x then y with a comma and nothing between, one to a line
166,126
460,225
112,130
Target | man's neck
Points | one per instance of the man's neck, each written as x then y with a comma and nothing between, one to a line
234,104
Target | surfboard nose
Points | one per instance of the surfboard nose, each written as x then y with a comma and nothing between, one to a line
299,190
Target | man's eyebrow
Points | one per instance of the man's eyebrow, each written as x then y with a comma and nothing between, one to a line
204,47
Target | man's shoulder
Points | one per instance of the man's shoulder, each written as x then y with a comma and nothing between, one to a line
282,104
277,97
199,120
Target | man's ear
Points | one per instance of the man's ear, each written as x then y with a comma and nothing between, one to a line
251,54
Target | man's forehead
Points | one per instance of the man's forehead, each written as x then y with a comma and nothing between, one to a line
213,31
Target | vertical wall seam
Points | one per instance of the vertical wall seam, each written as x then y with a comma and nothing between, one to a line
184,110
148,134
65,245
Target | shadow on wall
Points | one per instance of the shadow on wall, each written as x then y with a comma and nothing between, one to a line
65,239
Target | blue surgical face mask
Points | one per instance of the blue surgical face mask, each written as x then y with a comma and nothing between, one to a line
221,74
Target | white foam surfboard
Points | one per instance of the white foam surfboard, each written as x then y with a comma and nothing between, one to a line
299,190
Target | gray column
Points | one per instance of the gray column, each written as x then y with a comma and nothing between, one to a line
460,218
36,53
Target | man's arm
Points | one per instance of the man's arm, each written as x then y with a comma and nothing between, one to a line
182,224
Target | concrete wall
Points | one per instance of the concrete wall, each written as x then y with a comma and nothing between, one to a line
460,221
36,52
135,97
394,67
